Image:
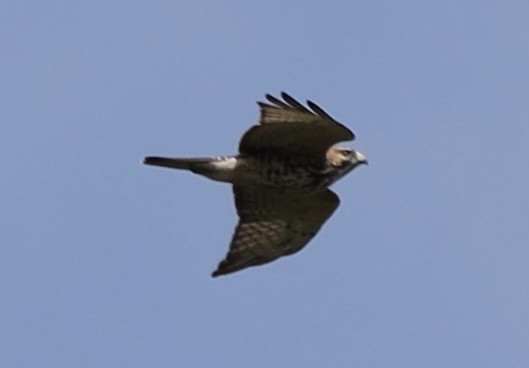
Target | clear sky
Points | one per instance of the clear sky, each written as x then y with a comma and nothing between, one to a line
105,262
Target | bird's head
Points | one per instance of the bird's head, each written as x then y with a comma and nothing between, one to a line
345,159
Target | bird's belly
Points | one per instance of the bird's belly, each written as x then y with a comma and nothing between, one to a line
279,174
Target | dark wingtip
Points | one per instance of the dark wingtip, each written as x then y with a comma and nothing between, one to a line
285,95
270,99
319,111
224,268
218,272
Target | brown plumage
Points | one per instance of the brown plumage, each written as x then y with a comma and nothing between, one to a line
280,179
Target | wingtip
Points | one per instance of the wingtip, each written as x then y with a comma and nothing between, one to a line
269,99
218,272
285,95
221,270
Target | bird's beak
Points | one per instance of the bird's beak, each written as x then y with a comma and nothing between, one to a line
361,158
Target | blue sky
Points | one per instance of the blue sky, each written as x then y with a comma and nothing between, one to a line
105,262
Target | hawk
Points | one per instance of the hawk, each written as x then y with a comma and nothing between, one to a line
280,179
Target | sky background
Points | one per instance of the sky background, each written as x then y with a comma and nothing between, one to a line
105,262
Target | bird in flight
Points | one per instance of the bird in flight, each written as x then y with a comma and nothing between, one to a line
280,179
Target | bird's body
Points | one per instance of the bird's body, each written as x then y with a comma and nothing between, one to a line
273,170
280,179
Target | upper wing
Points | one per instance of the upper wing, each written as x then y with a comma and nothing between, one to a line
289,127
274,224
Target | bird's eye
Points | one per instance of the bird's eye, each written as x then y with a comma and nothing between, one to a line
347,152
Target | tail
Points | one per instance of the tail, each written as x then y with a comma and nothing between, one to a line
215,168
191,164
